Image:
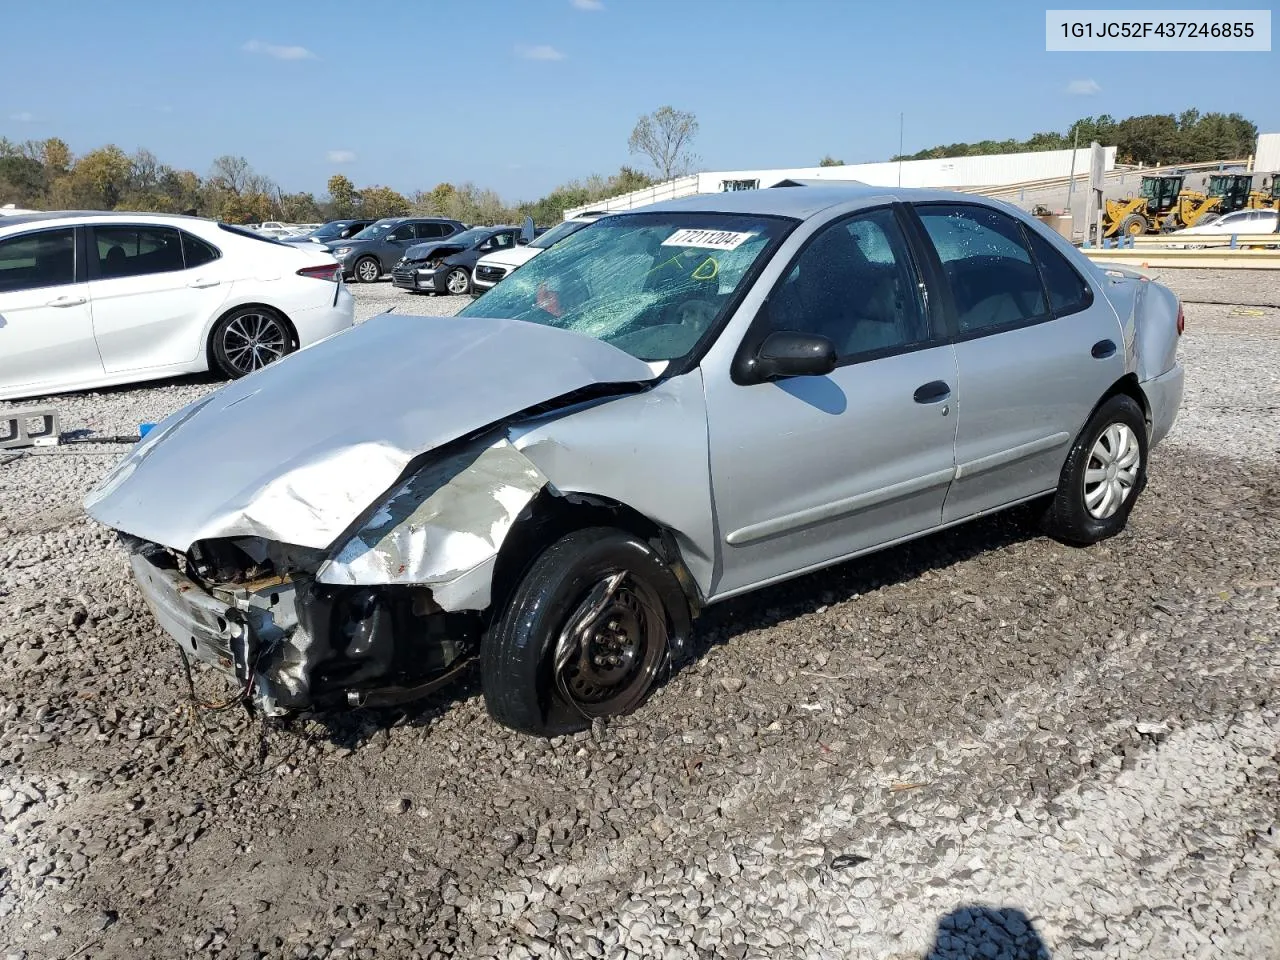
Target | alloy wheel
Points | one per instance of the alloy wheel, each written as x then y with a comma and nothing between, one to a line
253,340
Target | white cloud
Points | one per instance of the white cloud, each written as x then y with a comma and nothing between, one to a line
1083,88
540,52
588,4
277,51
341,156
22,117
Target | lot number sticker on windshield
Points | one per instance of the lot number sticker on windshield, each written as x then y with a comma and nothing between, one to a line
707,239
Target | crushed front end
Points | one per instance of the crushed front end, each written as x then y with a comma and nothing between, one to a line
254,611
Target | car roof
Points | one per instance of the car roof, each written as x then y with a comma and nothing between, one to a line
800,202
24,219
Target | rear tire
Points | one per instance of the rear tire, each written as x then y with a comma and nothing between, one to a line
249,339
586,634
1105,472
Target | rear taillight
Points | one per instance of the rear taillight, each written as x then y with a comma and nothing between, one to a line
1182,320
329,271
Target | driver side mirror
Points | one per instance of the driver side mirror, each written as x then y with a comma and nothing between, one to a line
790,354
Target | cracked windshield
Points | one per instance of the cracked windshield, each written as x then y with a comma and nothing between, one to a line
650,285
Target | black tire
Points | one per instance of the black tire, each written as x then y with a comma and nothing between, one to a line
458,277
367,270
1134,225
1069,517
248,339
524,690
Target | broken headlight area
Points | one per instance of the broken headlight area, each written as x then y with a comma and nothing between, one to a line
253,611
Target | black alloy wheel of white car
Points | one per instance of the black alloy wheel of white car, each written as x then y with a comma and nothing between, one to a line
1104,473
586,634
248,339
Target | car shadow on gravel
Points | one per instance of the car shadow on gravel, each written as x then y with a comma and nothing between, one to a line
854,578
987,933
349,729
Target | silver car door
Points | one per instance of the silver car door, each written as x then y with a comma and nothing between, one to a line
1036,348
807,470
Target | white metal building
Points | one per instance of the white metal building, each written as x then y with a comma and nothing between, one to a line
1266,158
951,172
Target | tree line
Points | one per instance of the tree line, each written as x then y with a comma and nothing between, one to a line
1161,138
45,175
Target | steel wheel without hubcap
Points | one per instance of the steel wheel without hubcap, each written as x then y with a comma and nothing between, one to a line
368,270
1112,471
612,645
457,281
253,340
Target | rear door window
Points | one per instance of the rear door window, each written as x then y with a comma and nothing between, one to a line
131,251
46,258
988,266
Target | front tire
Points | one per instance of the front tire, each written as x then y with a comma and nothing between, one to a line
585,634
1105,472
458,281
368,270
1134,225
248,339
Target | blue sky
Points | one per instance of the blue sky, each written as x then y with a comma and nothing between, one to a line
521,95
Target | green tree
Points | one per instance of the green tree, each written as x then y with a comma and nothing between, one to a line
380,201
665,136
830,161
56,156
342,196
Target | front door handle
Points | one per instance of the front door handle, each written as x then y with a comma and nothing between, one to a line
201,283
1103,349
935,391
67,302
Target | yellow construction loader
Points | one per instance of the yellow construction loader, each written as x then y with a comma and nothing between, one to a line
1265,199
1162,205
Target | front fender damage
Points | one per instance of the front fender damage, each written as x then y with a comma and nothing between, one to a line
443,527
388,614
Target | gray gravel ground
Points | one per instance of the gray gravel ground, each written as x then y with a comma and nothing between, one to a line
980,745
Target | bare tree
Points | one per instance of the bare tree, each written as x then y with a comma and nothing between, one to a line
664,137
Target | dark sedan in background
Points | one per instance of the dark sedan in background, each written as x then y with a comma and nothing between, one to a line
332,233
446,266
377,248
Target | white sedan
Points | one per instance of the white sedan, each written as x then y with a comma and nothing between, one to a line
93,299
1241,221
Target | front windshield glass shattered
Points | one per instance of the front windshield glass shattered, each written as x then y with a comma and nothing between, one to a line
653,285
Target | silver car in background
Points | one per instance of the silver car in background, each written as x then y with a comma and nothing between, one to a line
665,409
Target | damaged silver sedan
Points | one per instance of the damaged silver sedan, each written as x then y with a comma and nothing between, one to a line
666,409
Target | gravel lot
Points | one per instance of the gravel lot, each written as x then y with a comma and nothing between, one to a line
983,744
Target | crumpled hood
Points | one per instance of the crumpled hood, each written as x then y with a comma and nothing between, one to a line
295,452
420,251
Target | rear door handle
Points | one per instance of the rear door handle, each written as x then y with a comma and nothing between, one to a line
201,283
935,391
67,302
1103,349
